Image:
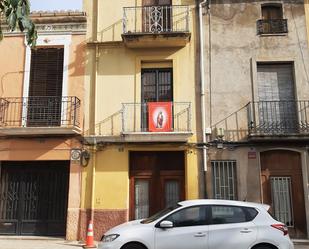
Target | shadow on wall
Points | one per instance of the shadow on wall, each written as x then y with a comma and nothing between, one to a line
79,60
233,128
112,32
110,126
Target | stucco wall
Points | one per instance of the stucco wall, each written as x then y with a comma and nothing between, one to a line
235,50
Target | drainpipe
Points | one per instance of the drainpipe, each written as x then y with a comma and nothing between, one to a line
203,102
92,99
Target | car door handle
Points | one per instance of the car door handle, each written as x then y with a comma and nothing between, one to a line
246,230
200,235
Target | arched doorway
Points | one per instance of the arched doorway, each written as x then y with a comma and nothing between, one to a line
282,184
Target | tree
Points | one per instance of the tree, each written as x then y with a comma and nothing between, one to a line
16,15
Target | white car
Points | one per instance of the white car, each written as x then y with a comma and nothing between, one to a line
202,224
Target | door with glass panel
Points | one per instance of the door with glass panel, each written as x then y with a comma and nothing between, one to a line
283,190
277,110
153,184
157,86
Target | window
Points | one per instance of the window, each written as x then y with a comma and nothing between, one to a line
192,216
272,12
227,215
45,87
277,107
224,180
251,213
282,204
272,21
157,86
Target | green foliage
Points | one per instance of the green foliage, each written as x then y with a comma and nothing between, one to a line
16,14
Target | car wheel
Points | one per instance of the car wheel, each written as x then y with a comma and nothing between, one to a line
133,246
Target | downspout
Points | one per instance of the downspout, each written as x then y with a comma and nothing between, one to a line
92,100
203,102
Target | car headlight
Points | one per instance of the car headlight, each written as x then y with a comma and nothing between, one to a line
109,238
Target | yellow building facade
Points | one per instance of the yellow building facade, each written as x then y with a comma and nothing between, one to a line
141,124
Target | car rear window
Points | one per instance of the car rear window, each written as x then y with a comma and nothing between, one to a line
251,213
223,214
227,214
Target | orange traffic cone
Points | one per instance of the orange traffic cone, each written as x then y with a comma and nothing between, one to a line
90,240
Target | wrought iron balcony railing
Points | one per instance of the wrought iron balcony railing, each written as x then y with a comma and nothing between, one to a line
135,117
39,112
272,26
272,118
155,19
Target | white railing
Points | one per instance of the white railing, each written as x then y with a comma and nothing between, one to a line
135,117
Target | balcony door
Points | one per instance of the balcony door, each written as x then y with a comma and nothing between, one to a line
157,86
45,88
277,106
157,16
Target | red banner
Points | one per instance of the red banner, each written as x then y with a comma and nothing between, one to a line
160,116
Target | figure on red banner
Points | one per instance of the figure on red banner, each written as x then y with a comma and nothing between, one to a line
160,116
160,119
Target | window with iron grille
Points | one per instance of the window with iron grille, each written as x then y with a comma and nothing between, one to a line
224,179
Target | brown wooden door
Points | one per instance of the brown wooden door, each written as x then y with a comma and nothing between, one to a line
282,184
45,87
156,181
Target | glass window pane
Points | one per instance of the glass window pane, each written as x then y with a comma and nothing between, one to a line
193,216
227,214
171,193
141,199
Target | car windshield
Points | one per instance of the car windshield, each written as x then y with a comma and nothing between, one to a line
159,214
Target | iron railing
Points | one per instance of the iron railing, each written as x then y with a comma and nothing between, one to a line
272,26
39,112
278,117
135,117
156,19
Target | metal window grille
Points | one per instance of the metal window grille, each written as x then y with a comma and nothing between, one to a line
282,199
224,179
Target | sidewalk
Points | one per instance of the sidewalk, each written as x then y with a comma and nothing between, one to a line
48,243
37,243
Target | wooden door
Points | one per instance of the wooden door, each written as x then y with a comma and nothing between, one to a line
45,87
157,86
282,184
156,181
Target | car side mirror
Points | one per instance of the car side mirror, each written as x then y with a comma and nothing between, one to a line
166,224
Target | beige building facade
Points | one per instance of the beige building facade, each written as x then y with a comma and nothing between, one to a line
256,79
41,121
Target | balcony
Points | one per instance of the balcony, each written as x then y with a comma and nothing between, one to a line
136,127
279,119
156,26
272,26
39,116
